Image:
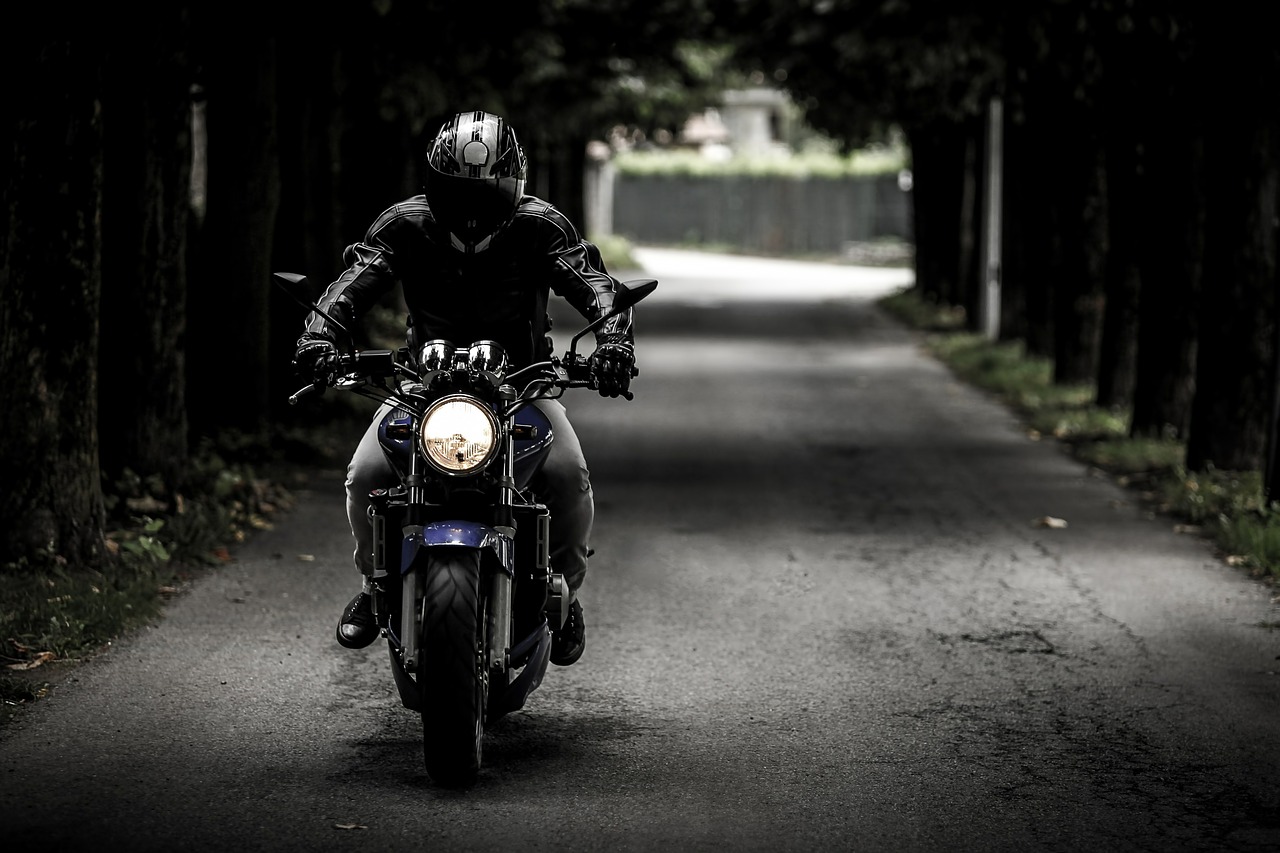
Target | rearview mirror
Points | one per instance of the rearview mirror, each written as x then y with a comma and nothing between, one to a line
291,283
631,292
626,295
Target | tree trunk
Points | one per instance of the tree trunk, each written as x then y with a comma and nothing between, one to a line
1030,242
1118,350
1271,474
229,321
571,183
1170,238
971,277
1231,422
146,200
50,284
1073,174
938,175
1014,300
306,236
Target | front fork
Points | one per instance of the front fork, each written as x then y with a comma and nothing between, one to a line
499,613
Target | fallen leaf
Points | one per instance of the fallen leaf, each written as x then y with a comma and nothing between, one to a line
146,504
1237,560
1049,521
39,660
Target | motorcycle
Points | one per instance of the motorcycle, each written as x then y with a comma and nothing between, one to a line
463,588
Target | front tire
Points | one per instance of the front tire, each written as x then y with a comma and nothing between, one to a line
452,680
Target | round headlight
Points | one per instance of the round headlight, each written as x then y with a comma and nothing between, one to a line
458,435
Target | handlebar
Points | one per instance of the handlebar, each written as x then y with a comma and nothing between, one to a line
371,367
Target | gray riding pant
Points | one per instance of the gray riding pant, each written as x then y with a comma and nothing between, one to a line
563,484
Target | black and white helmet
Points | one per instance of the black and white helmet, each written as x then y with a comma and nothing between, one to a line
475,176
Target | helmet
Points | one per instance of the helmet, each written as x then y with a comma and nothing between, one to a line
474,178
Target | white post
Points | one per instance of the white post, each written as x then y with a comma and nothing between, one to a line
598,189
989,263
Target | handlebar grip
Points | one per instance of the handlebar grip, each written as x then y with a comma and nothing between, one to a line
329,364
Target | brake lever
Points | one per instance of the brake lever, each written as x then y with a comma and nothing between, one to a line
307,391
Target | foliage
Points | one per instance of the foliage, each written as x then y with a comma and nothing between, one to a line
878,160
855,66
1228,506
1231,506
219,502
52,612
1207,495
1123,455
921,313
615,251
71,613
569,68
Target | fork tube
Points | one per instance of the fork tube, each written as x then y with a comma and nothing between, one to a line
506,517
500,594
412,583
417,491
499,601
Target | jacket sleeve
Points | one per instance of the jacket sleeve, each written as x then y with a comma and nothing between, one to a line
367,278
580,277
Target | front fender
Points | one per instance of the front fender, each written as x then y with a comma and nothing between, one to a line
458,534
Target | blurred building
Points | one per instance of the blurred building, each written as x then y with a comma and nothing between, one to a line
748,122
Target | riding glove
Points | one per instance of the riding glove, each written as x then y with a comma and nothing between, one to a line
612,366
310,358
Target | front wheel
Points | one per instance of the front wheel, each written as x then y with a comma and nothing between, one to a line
452,680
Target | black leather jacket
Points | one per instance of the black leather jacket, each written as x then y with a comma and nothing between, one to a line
499,294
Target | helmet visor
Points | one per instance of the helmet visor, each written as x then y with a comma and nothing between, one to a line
472,209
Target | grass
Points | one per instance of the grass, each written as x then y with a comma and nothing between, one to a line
1228,507
56,617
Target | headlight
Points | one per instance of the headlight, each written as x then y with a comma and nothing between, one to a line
458,435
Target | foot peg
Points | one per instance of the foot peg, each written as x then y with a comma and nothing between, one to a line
558,600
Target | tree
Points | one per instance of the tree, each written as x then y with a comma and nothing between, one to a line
1231,419
146,202
1056,183
1121,282
228,341
51,504
1168,227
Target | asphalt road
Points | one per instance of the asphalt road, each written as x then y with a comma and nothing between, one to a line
821,617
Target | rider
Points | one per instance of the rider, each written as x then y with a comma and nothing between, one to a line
475,258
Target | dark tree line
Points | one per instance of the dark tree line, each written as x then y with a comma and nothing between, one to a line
1140,184
1140,190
